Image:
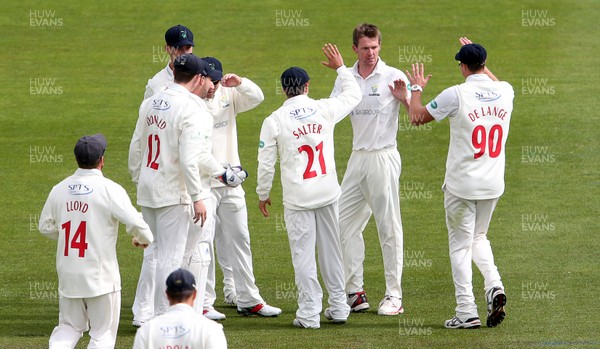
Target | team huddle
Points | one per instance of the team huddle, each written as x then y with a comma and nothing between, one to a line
184,160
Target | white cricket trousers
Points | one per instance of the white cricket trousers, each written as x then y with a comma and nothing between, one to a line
222,248
143,303
102,315
468,222
307,229
232,215
371,186
199,252
170,226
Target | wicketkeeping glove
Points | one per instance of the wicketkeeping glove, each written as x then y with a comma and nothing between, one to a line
234,176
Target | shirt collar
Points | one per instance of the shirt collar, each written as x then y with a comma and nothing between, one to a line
378,68
181,306
88,172
478,77
176,87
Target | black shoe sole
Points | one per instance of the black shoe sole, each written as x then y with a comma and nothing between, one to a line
498,313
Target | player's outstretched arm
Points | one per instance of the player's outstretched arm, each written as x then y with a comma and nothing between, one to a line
417,112
464,41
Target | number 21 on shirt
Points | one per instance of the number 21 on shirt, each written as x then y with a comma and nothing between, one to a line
310,152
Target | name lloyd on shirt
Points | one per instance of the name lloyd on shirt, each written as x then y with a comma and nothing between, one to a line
77,206
307,129
489,111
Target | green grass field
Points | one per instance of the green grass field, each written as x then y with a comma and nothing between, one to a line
70,69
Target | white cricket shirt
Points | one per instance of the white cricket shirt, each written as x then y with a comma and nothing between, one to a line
480,112
170,144
226,104
83,212
375,118
180,327
159,82
301,131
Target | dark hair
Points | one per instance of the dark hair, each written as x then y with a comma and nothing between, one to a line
182,77
365,29
179,296
475,67
88,166
293,91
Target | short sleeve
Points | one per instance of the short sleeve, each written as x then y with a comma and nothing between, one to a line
445,104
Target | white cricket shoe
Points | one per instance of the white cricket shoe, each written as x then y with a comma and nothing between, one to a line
390,306
211,313
456,322
261,309
357,301
328,316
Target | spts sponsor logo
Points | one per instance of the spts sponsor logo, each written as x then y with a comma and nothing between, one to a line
43,290
290,18
537,155
537,87
537,222
44,154
537,291
413,327
537,18
44,19
159,55
174,331
416,259
44,86
404,123
410,190
409,54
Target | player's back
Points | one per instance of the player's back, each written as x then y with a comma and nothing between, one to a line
86,258
478,134
306,153
164,120
182,327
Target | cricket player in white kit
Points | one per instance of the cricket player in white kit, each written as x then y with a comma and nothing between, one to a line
230,96
181,326
83,213
301,131
479,111
169,147
371,182
178,40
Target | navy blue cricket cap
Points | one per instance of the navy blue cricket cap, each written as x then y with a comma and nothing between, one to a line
89,149
216,65
179,36
181,280
189,63
471,54
294,77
